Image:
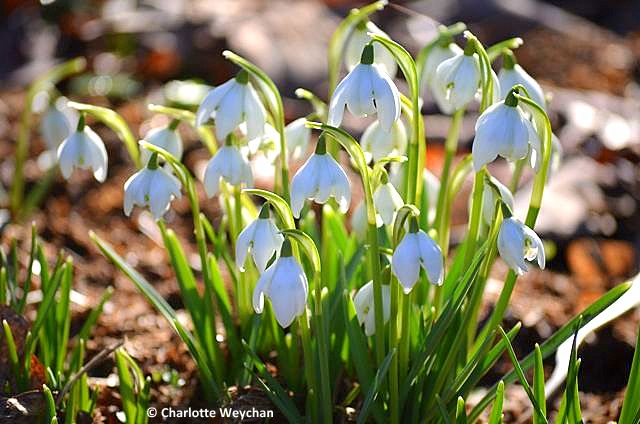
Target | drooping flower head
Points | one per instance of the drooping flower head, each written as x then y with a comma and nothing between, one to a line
166,138
285,284
518,244
503,129
232,103
446,49
151,187
387,200
456,79
262,238
57,124
228,164
83,149
513,74
298,136
365,91
359,39
489,198
415,250
378,143
365,310
319,179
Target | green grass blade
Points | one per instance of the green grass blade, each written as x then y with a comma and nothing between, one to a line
538,385
552,343
521,376
273,389
49,404
442,409
372,393
631,402
496,411
461,416
126,387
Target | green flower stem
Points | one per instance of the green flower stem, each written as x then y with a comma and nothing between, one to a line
244,291
517,174
450,147
44,82
530,221
405,338
394,407
476,214
373,260
325,382
310,367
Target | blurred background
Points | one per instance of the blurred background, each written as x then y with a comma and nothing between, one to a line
585,53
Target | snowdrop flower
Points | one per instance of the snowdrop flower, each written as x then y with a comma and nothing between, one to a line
457,79
438,54
285,283
503,130
320,178
359,39
55,126
298,136
360,223
387,200
229,164
378,143
232,103
363,302
489,198
151,187
364,91
517,244
417,249
83,149
513,74
268,143
262,238
166,138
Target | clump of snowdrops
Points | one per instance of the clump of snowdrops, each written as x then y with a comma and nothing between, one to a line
379,310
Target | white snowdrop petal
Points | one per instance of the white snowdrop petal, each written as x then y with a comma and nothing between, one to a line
255,115
243,244
431,258
229,113
263,248
303,184
405,261
387,99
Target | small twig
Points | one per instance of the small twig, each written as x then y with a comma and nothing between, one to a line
88,366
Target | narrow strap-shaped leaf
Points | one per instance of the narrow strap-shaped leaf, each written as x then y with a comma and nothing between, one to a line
372,393
272,388
496,411
442,410
521,376
126,387
461,416
49,404
552,343
538,385
631,402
